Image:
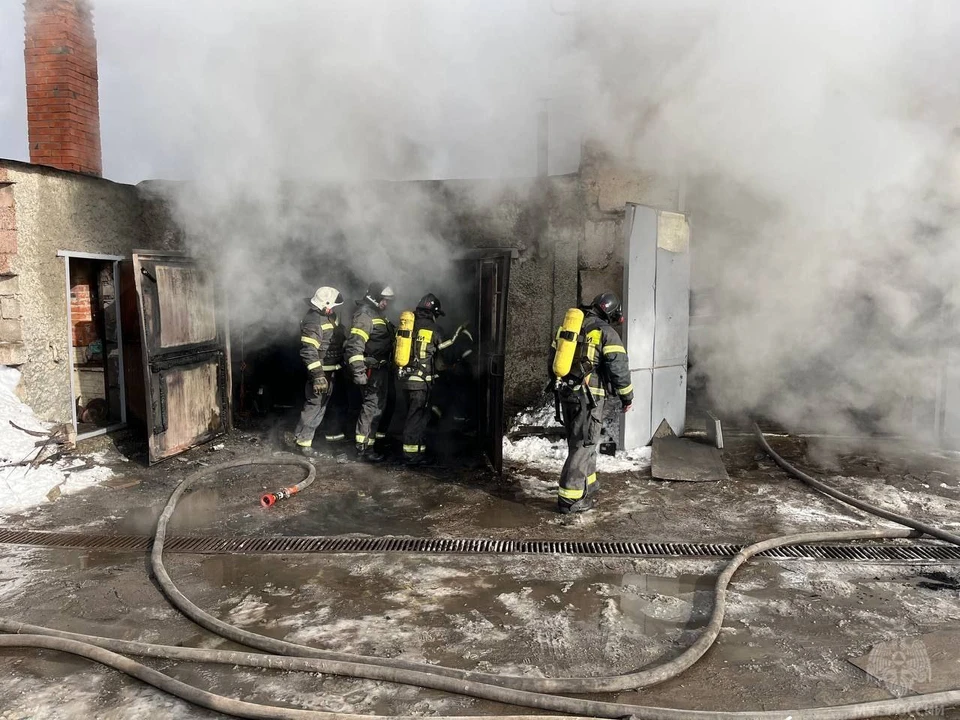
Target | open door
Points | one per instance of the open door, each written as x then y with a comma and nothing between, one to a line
493,281
185,353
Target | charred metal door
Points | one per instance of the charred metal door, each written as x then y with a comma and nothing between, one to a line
493,278
185,351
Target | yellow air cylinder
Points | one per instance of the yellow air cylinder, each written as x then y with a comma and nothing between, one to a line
567,342
401,351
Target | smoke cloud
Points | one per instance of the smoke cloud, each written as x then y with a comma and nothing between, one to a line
817,143
820,150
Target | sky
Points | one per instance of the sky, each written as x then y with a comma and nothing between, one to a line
478,124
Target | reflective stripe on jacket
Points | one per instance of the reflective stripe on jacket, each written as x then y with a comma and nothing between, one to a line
428,342
321,342
371,336
604,350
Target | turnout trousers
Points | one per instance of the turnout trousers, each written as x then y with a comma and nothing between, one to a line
415,425
583,426
314,409
373,402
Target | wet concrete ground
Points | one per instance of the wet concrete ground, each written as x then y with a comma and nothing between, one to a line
790,630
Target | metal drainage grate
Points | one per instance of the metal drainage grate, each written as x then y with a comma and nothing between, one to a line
906,552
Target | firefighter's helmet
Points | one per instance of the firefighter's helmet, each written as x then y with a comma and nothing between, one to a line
608,306
431,303
377,292
326,298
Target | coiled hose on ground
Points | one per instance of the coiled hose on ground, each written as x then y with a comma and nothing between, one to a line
504,689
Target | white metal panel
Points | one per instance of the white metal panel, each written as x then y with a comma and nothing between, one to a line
636,423
657,308
672,323
669,398
639,280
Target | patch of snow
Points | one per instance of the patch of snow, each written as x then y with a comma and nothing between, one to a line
538,487
542,415
801,510
549,455
251,609
22,486
899,500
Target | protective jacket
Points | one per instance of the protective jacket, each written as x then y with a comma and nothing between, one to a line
604,357
321,342
461,345
428,342
370,341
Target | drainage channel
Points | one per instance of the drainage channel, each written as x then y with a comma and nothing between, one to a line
898,553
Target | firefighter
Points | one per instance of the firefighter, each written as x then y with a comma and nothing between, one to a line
367,354
416,379
454,396
321,349
601,367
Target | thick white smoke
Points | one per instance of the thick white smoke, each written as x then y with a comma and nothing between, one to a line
817,141
279,114
819,144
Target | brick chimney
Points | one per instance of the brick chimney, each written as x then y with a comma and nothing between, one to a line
63,107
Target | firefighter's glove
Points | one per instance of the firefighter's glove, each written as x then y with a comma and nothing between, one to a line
360,379
320,385
371,362
626,407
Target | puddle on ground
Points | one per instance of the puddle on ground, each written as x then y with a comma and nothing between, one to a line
936,580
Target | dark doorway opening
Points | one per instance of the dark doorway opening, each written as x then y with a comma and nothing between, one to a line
96,366
467,400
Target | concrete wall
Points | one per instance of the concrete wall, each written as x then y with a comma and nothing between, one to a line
56,210
543,221
567,230
607,187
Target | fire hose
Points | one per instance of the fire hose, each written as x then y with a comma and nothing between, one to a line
504,689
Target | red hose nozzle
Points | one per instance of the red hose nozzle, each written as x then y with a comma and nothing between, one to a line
268,499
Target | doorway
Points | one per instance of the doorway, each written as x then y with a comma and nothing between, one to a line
487,274
95,341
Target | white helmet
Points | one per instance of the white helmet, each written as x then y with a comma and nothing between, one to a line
326,298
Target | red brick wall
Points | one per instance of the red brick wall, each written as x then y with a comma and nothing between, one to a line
63,109
11,328
8,227
81,304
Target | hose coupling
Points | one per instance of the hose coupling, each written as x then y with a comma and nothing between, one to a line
269,499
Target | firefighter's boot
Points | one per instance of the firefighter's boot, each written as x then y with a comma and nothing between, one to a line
581,505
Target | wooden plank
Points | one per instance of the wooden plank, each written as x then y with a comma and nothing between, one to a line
686,461
187,306
193,407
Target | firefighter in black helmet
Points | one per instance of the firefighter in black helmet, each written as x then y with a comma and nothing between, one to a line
321,348
417,378
603,369
367,354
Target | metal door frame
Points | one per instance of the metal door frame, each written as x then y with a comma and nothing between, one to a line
115,259
504,256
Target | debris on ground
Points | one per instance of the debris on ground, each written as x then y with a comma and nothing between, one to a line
37,463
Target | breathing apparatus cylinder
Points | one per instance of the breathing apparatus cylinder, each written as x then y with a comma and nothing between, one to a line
567,341
401,351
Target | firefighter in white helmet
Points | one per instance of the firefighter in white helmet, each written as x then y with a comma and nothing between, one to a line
321,349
